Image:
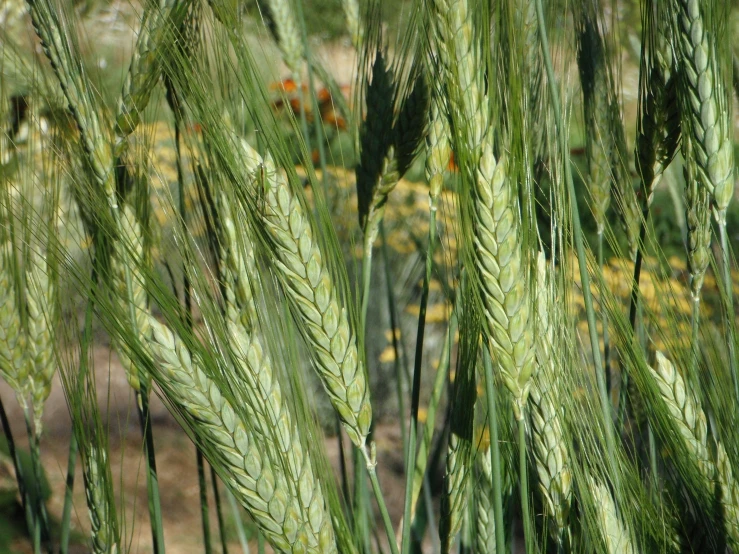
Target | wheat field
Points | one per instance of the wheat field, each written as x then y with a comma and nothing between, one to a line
365,276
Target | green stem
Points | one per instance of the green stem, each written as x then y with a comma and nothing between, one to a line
440,382
203,490
260,543
524,485
366,277
579,246
361,501
729,301
22,492
416,390
219,510
42,516
604,316
372,471
490,395
152,481
69,489
395,330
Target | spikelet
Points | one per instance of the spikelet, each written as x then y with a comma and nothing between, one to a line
13,367
126,265
455,500
705,103
483,497
547,437
309,285
614,533
254,469
102,511
40,299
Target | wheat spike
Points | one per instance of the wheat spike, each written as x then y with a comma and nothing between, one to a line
40,299
13,367
254,469
658,133
706,104
353,22
70,75
550,450
102,512
729,495
698,219
614,533
686,413
144,70
285,30
437,146
308,283
455,501
483,497
502,276
238,269
126,263
596,105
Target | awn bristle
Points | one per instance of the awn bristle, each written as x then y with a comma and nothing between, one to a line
613,532
102,513
550,450
126,264
706,104
13,367
254,469
40,300
308,283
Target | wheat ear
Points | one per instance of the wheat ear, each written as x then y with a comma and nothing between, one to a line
70,75
705,103
615,535
309,285
455,501
686,412
253,468
40,299
144,70
438,147
126,264
272,418
658,132
698,219
729,495
550,450
285,30
102,511
483,498
13,367
353,22
596,105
